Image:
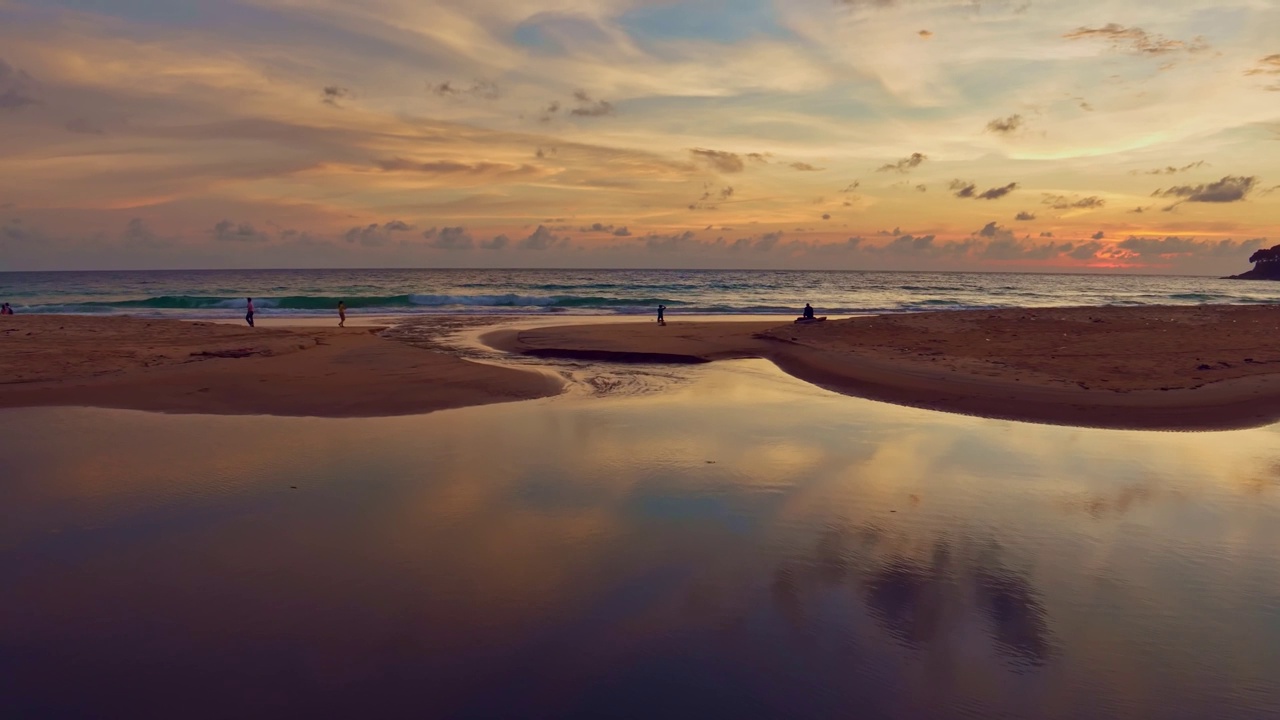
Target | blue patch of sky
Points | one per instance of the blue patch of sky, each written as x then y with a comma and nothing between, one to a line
723,21
532,36
205,16
172,12
250,24
555,32
764,117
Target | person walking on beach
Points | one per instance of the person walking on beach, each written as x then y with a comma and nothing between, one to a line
248,316
662,320
342,314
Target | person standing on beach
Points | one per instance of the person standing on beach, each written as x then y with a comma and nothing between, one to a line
342,314
248,316
661,318
5,309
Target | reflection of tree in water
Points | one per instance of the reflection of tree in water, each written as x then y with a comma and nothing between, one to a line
919,594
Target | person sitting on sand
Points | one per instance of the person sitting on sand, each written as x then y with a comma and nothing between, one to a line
5,309
342,314
808,311
662,320
248,316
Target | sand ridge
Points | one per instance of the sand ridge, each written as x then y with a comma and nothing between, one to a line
1174,368
199,367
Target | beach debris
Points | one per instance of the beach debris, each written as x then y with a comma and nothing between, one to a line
236,353
1203,366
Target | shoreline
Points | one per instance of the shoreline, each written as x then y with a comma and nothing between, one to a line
1141,368
177,366
1211,367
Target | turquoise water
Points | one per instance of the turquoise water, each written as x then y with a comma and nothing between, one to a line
738,544
222,293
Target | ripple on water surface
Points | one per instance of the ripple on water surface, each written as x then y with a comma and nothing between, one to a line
739,544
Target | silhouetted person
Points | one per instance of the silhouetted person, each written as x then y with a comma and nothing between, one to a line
662,320
808,311
342,314
5,309
248,316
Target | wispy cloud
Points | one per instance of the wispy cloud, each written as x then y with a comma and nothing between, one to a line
494,170
1073,202
16,88
711,197
719,160
227,231
1135,39
1231,188
966,189
549,111
1006,125
998,192
904,165
331,94
1267,66
1170,169
804,167
482,89
589,106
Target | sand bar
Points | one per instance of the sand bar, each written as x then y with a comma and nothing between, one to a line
201,367
1177,368
1174,368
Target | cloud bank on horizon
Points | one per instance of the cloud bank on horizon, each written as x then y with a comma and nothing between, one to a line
1022,135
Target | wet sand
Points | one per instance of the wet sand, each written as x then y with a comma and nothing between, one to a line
1172,368
200,367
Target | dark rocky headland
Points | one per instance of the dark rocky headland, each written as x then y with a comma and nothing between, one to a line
1266,265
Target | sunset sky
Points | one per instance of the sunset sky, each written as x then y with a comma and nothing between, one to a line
876,134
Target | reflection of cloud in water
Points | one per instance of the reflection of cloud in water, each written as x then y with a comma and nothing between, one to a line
1264,480
921,594
1100,505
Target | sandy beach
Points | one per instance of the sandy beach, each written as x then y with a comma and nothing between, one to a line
202,367
1175,368
1209,367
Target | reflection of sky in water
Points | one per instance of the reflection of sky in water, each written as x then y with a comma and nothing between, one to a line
740,545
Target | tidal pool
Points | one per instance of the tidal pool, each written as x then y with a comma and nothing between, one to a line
717,541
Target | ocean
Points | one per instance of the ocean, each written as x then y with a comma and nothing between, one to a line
221,293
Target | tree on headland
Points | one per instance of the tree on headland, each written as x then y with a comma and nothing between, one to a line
1265,256
1266,265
